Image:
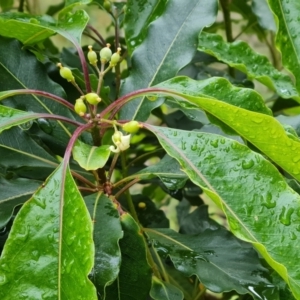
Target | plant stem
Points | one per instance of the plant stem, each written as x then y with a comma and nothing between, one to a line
117,44
126,187
40,93
112,166
21,6
93,38
82,179
84,68
74,137
57,118
228,27
103,43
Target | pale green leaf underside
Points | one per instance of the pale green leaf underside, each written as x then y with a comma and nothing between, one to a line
261,208
240,56
288,34
90,157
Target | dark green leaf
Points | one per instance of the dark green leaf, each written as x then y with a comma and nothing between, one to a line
51,242
209,255
168,170
240,56
134,280
12,193
6,4
260,207
164,52
24,156
136,28
107,234
164,291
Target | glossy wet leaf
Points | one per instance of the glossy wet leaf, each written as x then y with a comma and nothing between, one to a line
168,170
264,15
24,156
217,88
107,234
164,52
12,193
209,255
134,280
260,207
288,35
31,75
10,117
51,241
90,157
164,291
240,56
136,28
31,29
263,131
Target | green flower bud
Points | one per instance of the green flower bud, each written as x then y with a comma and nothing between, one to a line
115,58
65,73
80,107
92,98
131,127
92,56
107,5
142,205
105,54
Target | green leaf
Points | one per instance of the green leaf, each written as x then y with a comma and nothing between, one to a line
287,36
53,232
31,29
6,4
32,75
164,52
209,255
240,56
14,192
24,156
278,146
216,88
70,5
264,15
10,117
134,280
164,291
168,170
136,28
90,157
260,207
107,234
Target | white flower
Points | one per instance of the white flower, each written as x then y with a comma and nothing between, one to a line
121,141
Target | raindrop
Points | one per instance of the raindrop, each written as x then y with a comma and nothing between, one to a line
70,239
269,203
174,133
3,279
183,145
214,143
69,266
23,235
45,125
285,216
35,255
40,201
298,228
296,159
247,164
194,147
293,236
50,237
257,120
